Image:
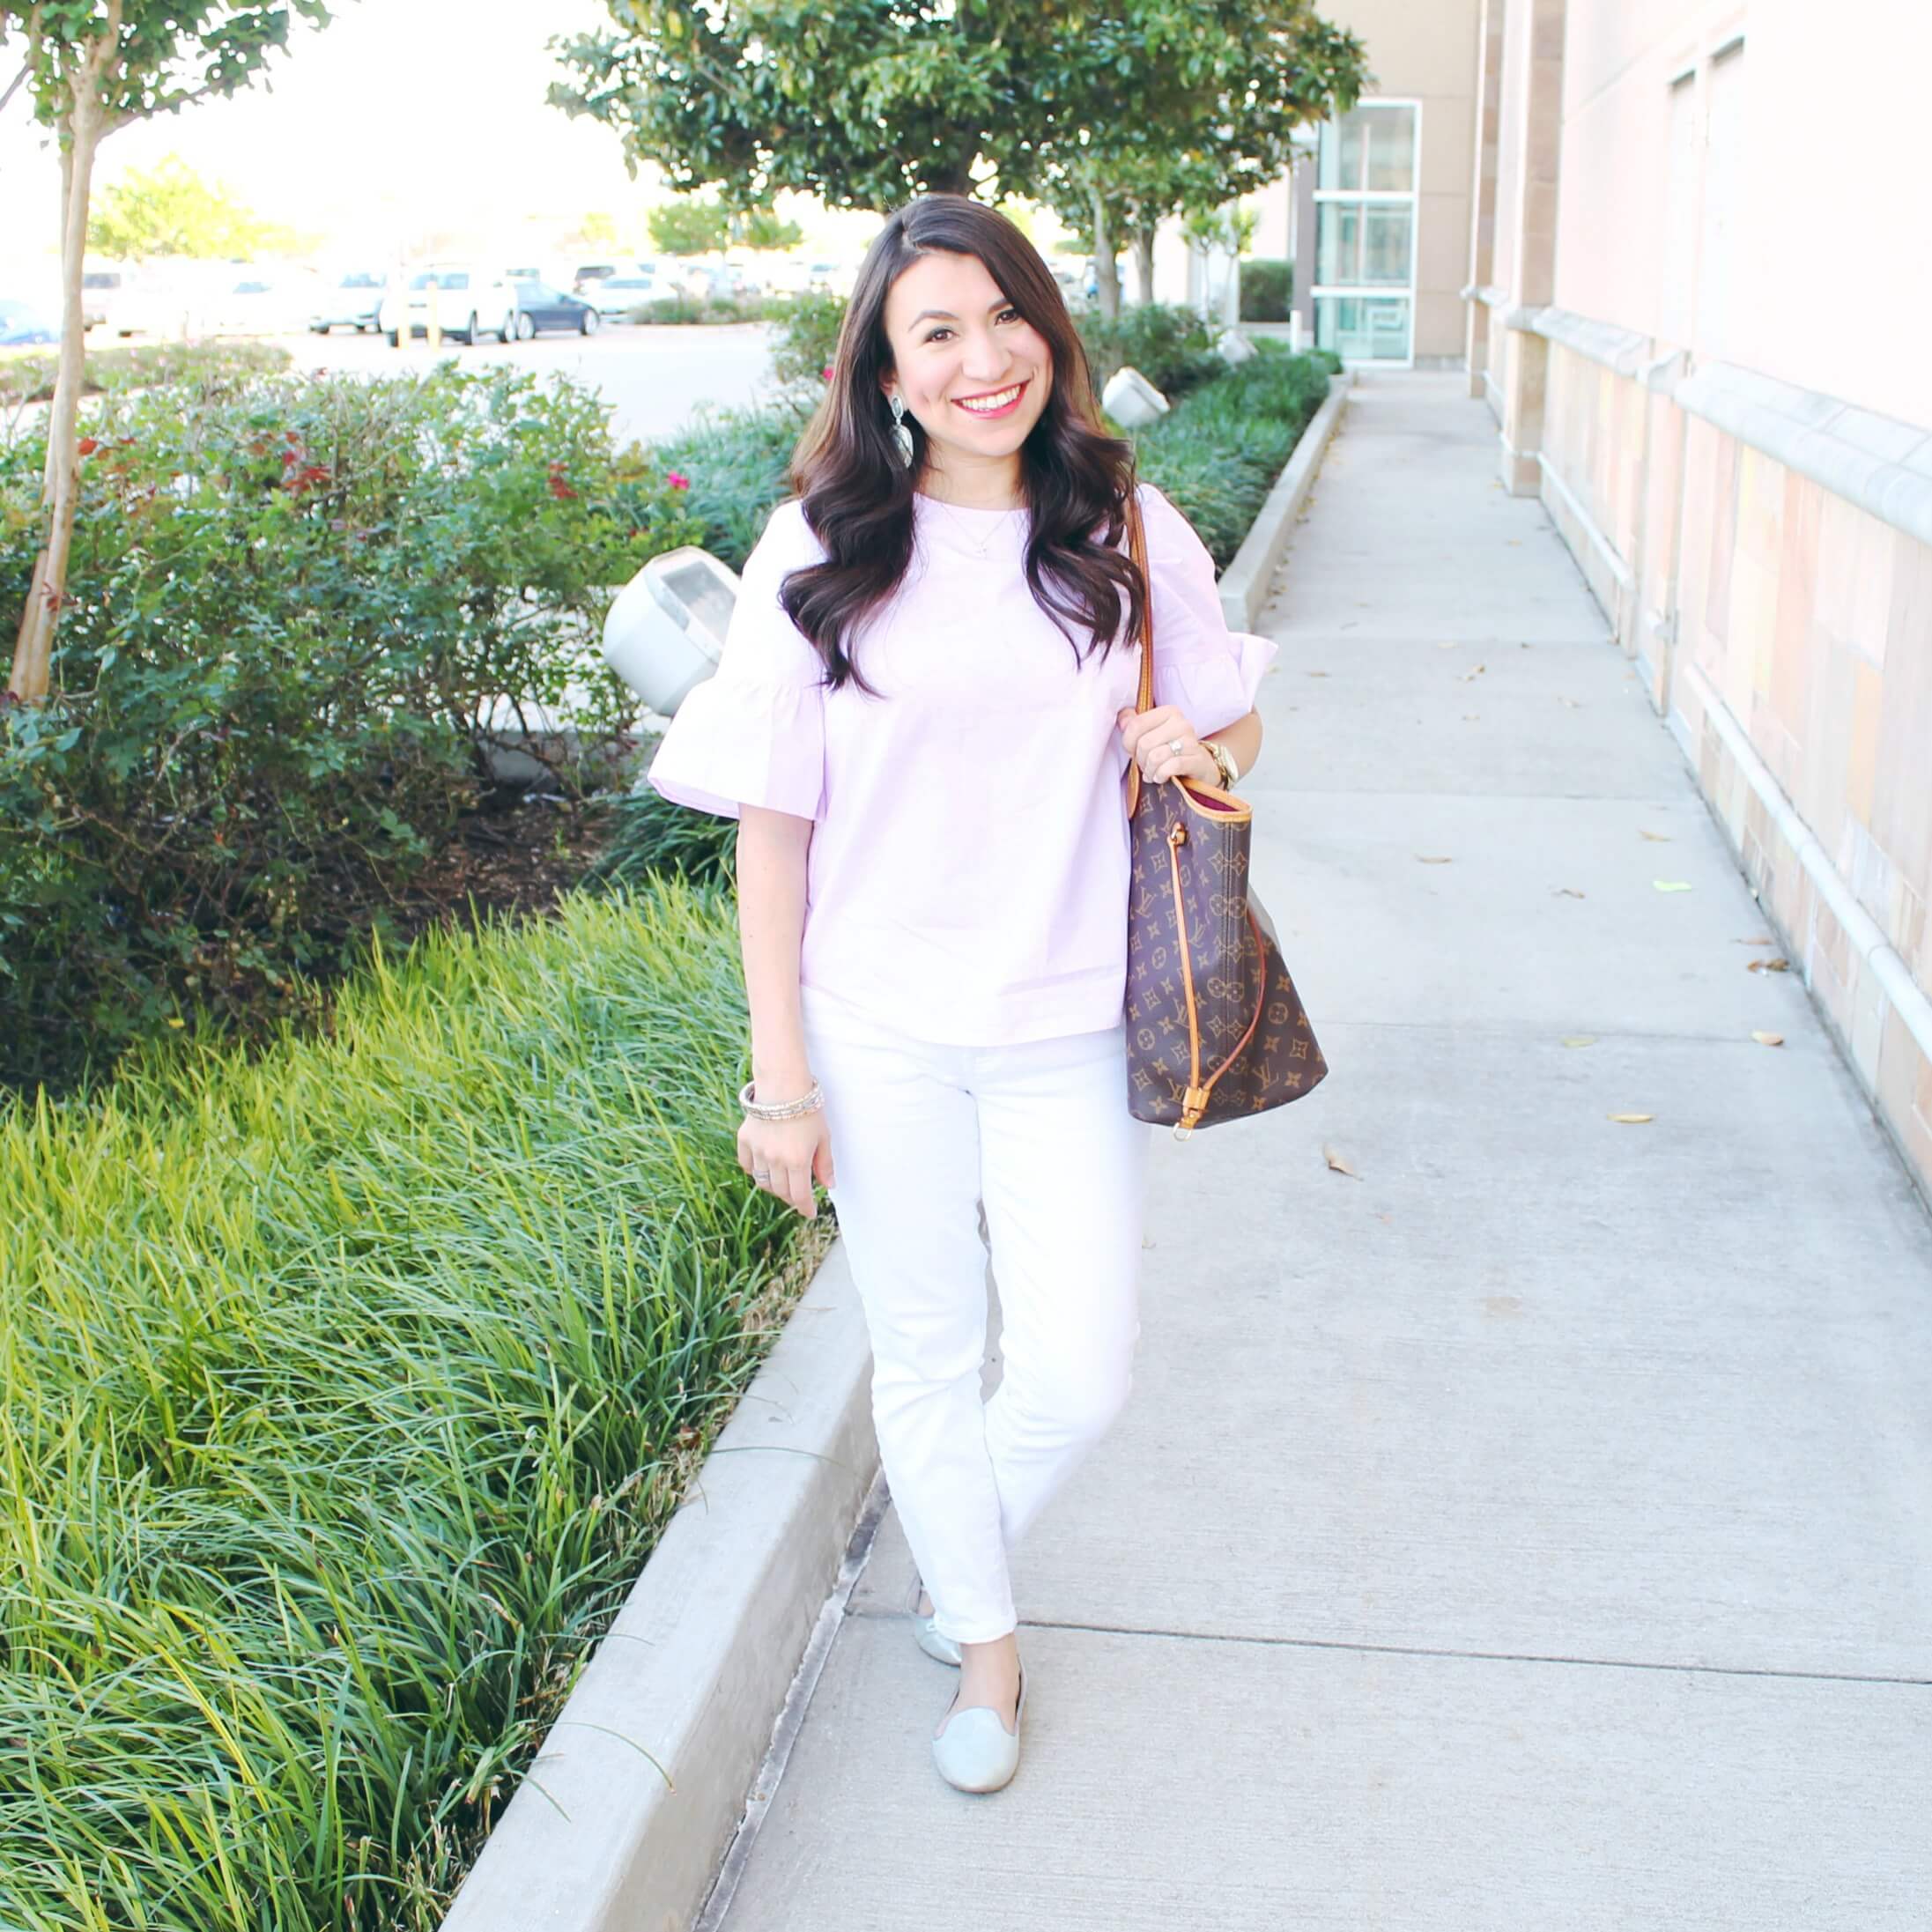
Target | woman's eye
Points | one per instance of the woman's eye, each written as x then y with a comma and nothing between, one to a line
1004,313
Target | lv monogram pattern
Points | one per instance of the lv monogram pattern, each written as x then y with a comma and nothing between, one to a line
1256,1047
1236,966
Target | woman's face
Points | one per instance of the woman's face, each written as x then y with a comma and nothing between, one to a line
957,341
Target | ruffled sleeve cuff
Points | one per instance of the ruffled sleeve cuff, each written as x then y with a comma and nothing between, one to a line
754,732
1213,675
740,742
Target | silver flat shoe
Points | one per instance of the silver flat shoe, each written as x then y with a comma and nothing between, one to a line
925,1631
974,1751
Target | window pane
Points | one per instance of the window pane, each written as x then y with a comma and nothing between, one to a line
1338,162
1391,140
1386,253
1338,241
1363,327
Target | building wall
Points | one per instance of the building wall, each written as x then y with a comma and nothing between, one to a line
1734,435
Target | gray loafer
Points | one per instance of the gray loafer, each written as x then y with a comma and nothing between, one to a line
974,1751
924,1631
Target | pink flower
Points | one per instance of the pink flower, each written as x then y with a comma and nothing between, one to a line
826,373
677,480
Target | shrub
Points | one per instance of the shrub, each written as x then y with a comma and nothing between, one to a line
806,339
1168,344
650,835
291,602
29,378
1268,287
1217,452
346,1390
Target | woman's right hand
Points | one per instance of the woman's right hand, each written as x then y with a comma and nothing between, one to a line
784,1157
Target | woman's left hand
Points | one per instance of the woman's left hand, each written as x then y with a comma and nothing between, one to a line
1149,738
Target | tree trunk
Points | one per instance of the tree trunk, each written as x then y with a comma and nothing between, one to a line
1143,265
87,123
1106,274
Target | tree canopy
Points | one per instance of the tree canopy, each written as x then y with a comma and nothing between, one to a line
1115,112
169,210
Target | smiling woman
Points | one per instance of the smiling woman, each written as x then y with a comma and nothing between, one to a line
922,718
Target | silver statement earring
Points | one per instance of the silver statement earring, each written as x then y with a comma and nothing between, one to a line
902,437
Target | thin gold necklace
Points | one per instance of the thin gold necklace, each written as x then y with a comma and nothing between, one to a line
984,544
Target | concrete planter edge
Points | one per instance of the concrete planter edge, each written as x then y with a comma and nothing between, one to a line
1245,583
695,1672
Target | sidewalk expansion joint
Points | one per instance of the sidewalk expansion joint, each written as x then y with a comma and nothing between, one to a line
1439,1650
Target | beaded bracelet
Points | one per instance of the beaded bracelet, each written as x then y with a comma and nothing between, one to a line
781,1110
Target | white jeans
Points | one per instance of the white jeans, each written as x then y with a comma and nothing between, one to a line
920,1134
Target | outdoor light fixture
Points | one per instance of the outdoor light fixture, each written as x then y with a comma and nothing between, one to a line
1131,400
666,630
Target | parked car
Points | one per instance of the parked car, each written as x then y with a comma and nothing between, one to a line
259,302
21,324
352,300
591,271
539,307
125,299
468,301
616,295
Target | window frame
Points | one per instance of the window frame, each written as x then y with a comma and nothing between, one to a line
1410,197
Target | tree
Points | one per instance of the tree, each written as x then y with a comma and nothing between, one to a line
1111,112
762,229
597,230
91,66
169,210
688,227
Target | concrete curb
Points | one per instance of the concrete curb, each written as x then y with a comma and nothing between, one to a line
1245,583
696,1669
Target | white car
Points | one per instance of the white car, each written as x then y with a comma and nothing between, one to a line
467,300
613,297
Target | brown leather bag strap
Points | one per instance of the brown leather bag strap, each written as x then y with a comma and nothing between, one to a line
1137,546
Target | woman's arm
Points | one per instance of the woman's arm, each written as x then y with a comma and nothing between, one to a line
1243,738
1147,733
771,853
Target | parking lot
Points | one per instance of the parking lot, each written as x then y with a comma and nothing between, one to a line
655,376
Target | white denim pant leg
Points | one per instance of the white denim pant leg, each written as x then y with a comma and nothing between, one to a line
920,1131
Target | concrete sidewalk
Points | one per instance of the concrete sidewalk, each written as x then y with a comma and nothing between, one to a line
1535,1528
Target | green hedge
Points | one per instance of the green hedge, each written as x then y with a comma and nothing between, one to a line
1268,287
345,1392
291,601
28,377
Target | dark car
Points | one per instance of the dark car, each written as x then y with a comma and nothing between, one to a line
539,305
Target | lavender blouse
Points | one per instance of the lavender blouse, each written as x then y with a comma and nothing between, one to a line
966,878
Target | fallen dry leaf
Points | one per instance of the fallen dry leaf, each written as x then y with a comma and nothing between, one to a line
1750,941
1337,1163
1575,703
1315,674
1633,1120
1446,643
1779,965
1429,859
1464,676
1469,717
1672,886
1655,837
1769,1039
1580,1039
1567,892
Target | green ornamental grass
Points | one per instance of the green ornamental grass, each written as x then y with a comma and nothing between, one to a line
343,1390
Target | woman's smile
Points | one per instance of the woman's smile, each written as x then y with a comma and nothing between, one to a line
994,403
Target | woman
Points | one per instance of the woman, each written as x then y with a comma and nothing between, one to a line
922,719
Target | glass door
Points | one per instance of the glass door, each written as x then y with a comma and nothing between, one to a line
1367,170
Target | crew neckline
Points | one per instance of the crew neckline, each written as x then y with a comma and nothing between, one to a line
971,510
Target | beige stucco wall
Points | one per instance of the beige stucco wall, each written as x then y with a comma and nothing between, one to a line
1831,266
1784,629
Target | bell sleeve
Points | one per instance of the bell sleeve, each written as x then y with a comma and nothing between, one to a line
754,732
1213,675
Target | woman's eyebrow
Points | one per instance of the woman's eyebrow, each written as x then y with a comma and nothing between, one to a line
946,315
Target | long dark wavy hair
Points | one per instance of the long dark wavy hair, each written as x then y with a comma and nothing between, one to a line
857,495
